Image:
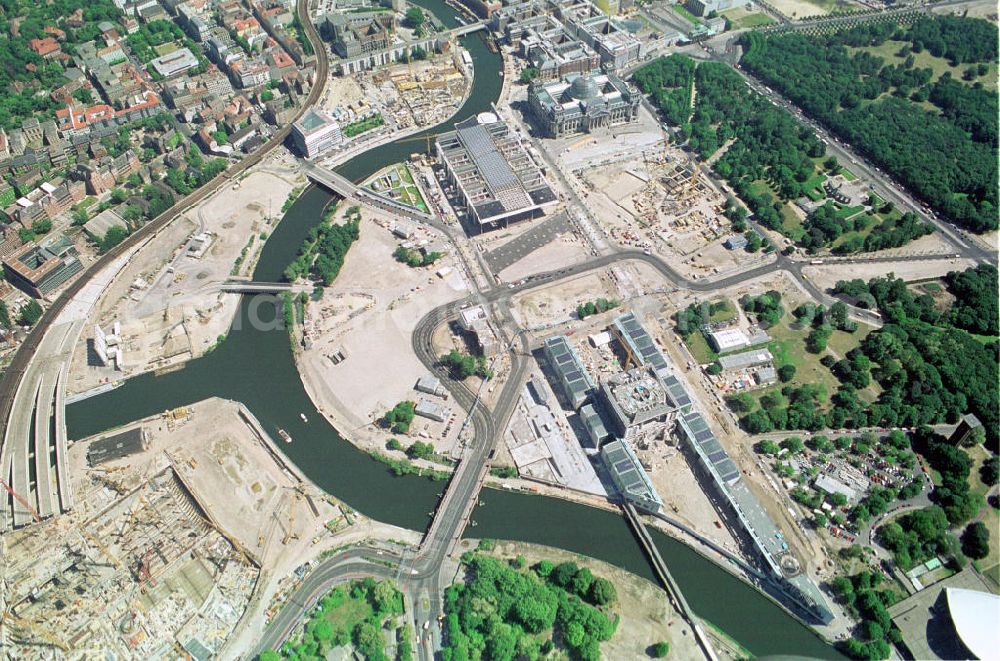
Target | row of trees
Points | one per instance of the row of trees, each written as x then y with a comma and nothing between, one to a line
934,154
598,306
502,613
866,599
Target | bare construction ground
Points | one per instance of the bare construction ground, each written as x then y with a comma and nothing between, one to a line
659,203
364,323
164,548
558,303
827,275
168,303
646,615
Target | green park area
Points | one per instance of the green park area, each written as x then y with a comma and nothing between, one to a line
895,52
506,610
165,49
741,19
363,617
397,182
363,125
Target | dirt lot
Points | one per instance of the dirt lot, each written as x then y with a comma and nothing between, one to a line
558,303
646,615
804,8
368,316
827,275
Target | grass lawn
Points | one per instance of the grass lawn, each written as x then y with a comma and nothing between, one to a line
362,125
814,181
848,212
682,11
791,223
740,19
990,565
348,614
168,47
760,186
924,59
847,174
700,349
723,314
788,346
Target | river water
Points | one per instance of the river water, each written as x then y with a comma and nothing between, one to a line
255,366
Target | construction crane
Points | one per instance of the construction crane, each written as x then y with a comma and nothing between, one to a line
290,530
427,138
20,500
35,629
144,574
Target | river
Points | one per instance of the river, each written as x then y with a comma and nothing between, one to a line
255,366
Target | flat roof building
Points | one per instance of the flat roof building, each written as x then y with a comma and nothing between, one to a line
492,172
39,270
639,347
431,409
174,63
99,225
594,425
116,446
713,459
315,133
629,476
431,385
746,359
831,485
571,376
728,339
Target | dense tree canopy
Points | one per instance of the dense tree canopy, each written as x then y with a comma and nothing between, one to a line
502,613
975,308
948,157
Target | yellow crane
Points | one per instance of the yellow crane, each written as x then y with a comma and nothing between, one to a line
290,532
423,138
35,629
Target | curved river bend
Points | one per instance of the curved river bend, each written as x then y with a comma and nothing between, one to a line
257,368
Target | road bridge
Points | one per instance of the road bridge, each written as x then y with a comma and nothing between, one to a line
33,458
347,189
252,287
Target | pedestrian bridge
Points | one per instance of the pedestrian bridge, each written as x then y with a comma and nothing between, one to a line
250,287
349,190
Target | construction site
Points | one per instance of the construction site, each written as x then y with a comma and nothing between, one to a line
427,92
157,559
